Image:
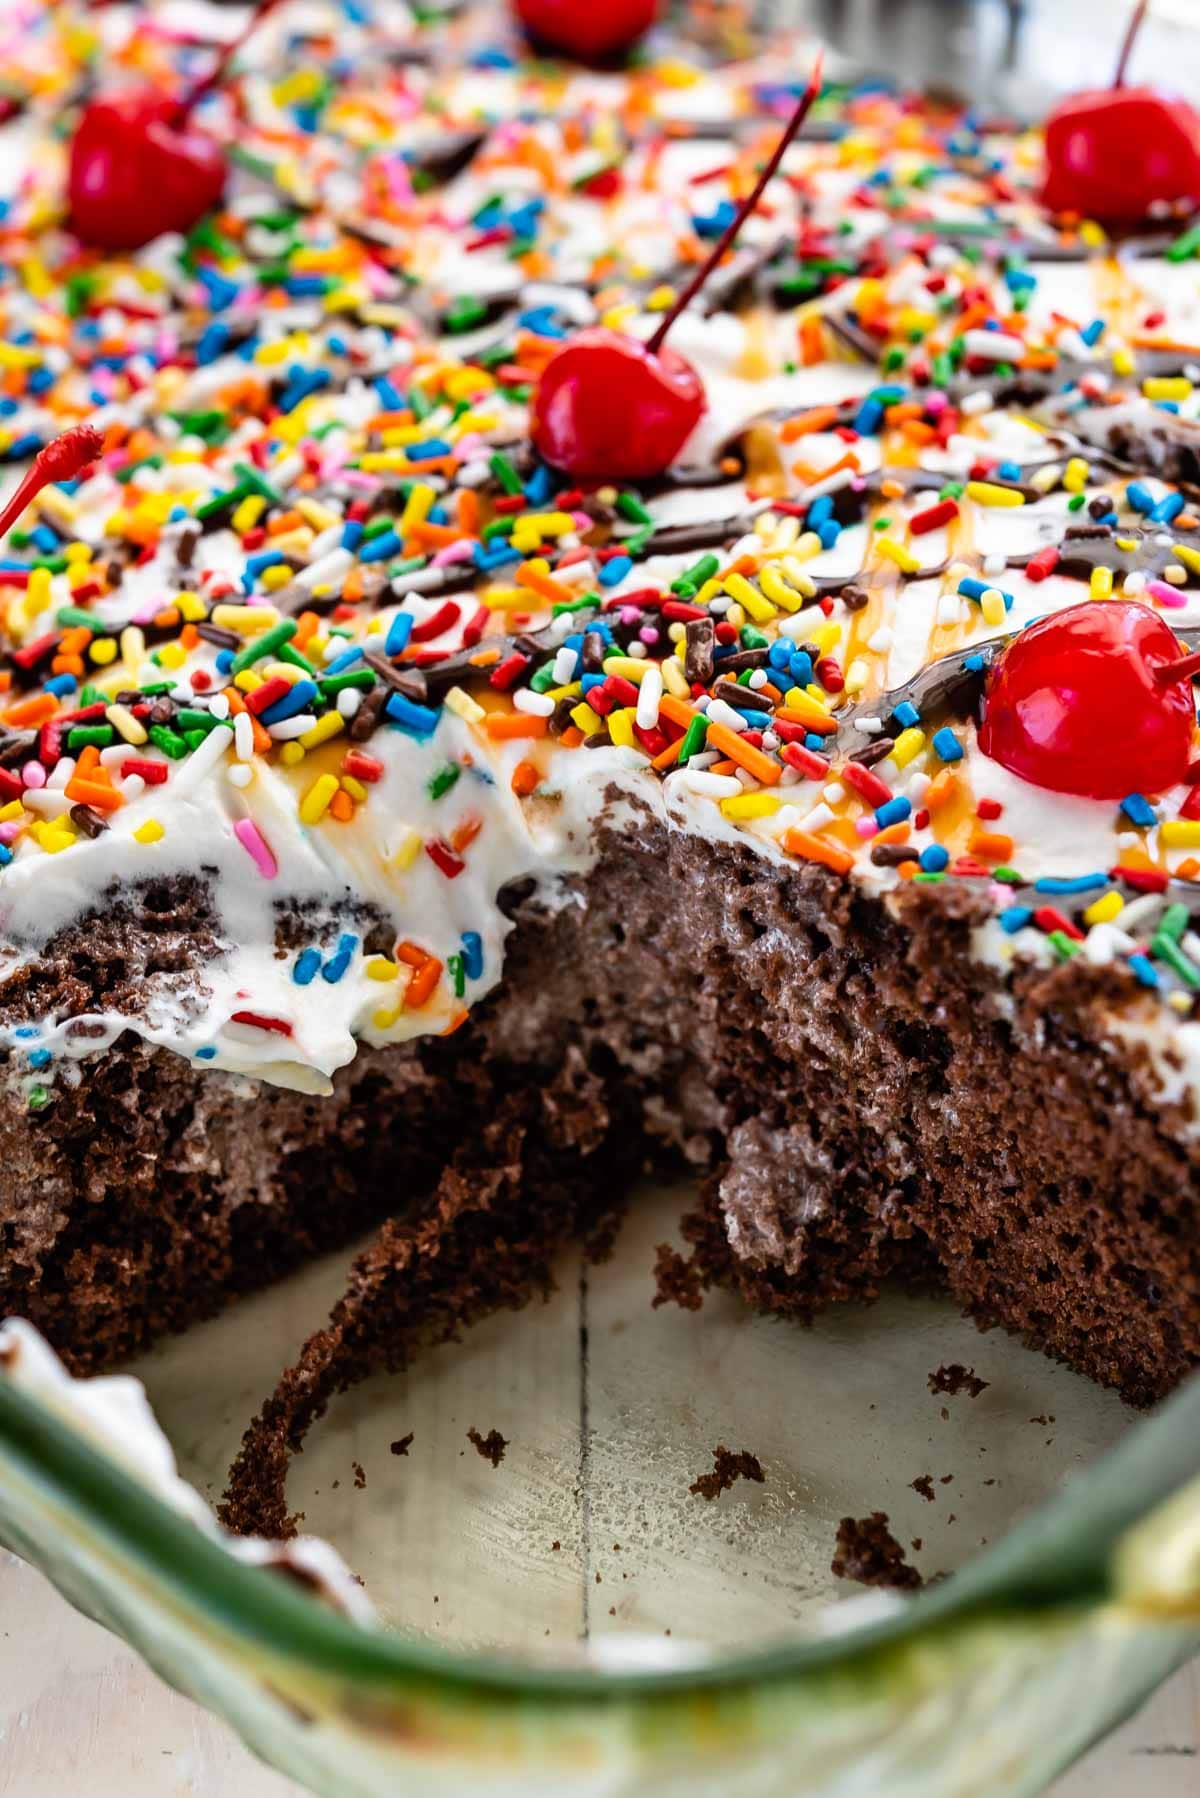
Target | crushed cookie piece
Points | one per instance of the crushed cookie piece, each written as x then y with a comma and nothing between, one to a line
868,1553
956,1378
491,1446
677,1279
727,1467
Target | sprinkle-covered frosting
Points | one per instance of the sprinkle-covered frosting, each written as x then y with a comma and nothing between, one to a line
318,628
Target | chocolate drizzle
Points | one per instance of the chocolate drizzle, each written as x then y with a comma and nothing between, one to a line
850,333
440,159
950,687
1085,547
740,279
1157,442
705,533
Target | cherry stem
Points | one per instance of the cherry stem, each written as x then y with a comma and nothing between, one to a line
1131,33
1184,669
60,460
219,69
743,212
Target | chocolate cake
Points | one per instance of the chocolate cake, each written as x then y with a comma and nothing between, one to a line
400,827
868,1552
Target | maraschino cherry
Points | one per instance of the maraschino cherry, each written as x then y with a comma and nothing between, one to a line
138,167
609,407
590,30
1113,153
1095,700
62,459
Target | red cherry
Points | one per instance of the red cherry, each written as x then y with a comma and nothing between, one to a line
59,460
137,166
137,170
1113,153
1094,700
605,409
609,407
591,31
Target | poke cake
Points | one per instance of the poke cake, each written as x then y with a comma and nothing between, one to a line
592,614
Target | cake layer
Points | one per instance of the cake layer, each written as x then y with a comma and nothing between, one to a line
880,1102
875,1100
874,1103
146,1193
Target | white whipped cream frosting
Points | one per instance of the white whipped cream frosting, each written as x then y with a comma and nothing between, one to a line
112,1414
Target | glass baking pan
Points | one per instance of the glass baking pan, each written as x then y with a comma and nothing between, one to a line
579,1618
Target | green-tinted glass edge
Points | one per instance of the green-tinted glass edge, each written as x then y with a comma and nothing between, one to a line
1060,1555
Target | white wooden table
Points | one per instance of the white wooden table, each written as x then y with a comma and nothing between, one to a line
79,1714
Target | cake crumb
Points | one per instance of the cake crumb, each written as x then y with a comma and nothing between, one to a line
402,1446
955,1378
676,1279
360,1475
727,1467
491,1446
868,1552
924,1485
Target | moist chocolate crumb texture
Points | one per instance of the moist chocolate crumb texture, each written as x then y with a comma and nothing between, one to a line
360,768
868,1552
